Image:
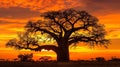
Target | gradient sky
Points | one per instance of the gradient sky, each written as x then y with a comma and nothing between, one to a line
15,13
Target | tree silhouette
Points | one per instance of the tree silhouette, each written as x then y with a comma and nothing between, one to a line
65,28
99,59
115,59
25,57
45,58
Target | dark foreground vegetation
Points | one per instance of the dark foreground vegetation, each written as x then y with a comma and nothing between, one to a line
60,64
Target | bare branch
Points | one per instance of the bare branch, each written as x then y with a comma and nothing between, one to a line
33,27
47,31
52,16
91,39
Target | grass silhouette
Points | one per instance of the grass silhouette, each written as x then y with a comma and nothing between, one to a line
61,64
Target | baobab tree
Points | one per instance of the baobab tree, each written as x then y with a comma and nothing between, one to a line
65,28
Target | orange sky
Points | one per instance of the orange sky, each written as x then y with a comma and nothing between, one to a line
15,13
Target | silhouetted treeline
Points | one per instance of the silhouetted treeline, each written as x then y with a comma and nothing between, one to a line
28,58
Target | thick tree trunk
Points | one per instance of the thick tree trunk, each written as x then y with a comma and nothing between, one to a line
63,53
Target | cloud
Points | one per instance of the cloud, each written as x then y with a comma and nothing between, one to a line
21,9
102,7
8,28
18,13
29,7
114,33
41,5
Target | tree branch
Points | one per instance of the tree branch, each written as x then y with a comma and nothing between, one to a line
88,39
54,30
50,33
59,24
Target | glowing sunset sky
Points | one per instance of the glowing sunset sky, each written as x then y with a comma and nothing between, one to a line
14,14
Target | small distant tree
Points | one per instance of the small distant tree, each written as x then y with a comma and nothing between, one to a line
115,59
25,57
65,28
16,59
100,59
45,58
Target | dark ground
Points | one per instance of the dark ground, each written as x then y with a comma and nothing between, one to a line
59,64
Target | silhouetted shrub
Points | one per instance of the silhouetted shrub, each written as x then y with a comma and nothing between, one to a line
16,59
25,57
115,59
45,58
100,59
